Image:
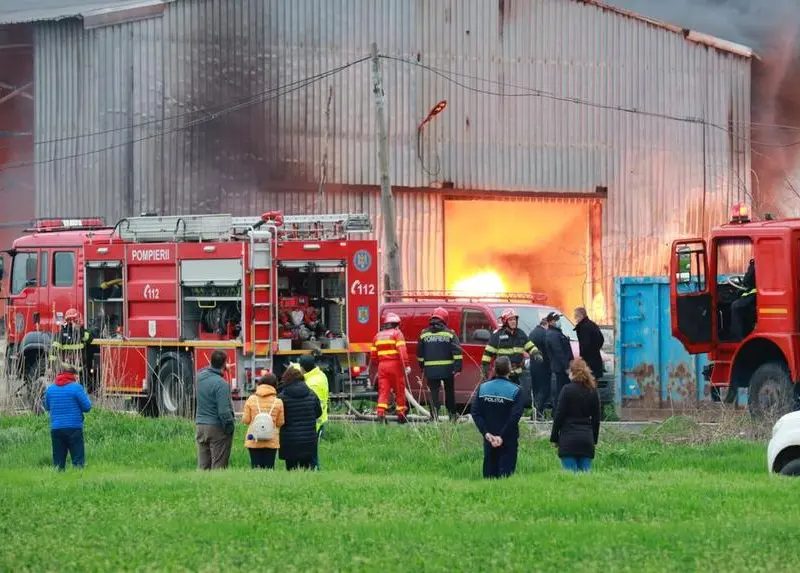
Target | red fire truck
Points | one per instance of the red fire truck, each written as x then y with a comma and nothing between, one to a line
159,294
706,297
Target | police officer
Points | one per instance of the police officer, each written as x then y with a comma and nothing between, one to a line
70,346
512,342
439,356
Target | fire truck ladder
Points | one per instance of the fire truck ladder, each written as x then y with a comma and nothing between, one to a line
261,293
313,227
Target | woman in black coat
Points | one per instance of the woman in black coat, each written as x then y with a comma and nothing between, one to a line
301,408
576,422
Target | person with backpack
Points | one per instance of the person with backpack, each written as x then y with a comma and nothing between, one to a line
67,402
263,414
301,409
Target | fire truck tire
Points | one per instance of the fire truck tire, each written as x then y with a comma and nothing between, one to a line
175,389
770,394
791,469
35,384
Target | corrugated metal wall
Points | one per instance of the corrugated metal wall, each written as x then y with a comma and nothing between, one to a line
511,124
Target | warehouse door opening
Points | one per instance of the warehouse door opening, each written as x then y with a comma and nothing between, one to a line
520,246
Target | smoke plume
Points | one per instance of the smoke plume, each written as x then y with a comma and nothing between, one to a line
772,29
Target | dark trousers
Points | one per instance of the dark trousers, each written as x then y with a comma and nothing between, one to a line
262,458
561,380
499,462
213,447
743,316
302,464
68,440
449,395
542,390
315,459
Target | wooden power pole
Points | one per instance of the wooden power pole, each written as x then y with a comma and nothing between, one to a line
393,279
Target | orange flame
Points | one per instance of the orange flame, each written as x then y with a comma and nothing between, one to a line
487,282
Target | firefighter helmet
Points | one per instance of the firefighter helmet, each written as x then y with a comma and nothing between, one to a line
391,318
439,313
72,315
507,315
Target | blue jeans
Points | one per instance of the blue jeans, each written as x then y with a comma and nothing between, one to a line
315,459
576,464
68,440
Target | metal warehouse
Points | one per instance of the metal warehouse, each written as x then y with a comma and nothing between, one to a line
578,140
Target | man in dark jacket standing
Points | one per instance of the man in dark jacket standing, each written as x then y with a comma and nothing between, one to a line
540,371
301,408
439,356
496,410
590,341
559,352
215,421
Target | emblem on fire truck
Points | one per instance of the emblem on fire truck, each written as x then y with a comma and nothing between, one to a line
362,260
151,328
363,314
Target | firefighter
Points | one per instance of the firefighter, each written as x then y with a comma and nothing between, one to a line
510,341
70,347
743,309
389,351
439,356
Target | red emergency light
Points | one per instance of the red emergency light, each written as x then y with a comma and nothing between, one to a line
740,213
57,224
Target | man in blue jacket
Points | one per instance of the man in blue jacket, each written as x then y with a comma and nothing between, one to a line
67,402
496,410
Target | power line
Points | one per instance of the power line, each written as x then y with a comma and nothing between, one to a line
274,93
533,92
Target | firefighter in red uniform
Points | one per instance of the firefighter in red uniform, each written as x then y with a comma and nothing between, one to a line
389,351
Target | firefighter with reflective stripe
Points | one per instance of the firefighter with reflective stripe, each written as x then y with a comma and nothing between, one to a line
69,348
439,356
389,351
510,341
743,316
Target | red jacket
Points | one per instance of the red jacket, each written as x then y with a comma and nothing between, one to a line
389,346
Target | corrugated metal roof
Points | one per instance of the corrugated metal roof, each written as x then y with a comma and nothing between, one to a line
17,12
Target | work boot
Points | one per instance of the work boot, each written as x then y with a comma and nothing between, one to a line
453,417
401,419
382,419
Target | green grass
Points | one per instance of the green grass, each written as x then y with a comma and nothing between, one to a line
390,499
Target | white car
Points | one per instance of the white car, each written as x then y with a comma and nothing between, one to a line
783,453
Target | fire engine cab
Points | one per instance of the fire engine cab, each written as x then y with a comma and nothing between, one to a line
160,293
751,332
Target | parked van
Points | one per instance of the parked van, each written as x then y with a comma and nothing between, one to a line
473,320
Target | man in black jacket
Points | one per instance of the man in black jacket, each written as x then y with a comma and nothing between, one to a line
301,408
559,352
496,410
541,374
439,356
590,341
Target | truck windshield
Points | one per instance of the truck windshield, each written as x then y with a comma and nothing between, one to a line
530,316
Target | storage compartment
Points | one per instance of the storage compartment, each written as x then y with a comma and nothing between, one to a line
104,298
311,303
211,299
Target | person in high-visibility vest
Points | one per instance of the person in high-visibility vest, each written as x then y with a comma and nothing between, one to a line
69,348
743,315
389,352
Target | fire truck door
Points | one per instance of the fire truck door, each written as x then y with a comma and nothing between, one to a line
691,304
24,309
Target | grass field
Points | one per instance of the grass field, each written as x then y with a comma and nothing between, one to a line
390,499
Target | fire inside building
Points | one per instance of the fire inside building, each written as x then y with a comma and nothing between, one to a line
576,141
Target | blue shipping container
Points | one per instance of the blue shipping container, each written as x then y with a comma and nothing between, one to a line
653,369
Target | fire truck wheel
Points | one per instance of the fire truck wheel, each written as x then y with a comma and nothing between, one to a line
791,469
770,395
175,390
35,385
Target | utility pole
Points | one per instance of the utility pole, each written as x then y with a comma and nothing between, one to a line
393,278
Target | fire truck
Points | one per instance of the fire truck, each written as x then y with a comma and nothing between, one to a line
160,293
705,300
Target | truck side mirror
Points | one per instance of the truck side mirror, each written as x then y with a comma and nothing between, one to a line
481,335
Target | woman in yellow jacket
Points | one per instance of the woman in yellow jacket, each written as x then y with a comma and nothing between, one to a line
265,399
317,380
